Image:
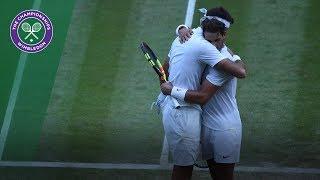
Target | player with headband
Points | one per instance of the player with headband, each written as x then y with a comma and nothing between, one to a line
221,123
186,63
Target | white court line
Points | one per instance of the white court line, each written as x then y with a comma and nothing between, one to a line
190,12
188,21
14,93
131,166
12,101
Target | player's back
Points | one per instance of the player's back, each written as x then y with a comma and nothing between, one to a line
185,69
188,60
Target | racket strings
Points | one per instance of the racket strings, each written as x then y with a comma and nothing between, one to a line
36,27
26,27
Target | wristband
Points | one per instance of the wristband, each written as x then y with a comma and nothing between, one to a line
178,93
179,27
236,57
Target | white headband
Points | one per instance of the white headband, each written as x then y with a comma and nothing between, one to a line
204,11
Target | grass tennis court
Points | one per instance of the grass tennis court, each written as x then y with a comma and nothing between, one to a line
49,173
87,96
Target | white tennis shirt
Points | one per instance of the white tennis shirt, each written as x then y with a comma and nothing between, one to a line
221,111
188,61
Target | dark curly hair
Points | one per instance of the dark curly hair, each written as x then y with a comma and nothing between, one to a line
214,25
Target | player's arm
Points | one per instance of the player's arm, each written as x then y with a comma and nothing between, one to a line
235,68
166,66
213,81
201,96
211,56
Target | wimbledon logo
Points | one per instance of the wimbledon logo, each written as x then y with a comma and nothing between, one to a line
31,31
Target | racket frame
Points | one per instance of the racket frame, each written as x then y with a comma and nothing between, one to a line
153,60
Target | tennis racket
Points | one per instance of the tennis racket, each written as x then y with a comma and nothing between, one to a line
153,60
156,65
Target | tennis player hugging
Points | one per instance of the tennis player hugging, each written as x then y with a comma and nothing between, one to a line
199,108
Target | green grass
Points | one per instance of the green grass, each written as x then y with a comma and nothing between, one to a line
35,89
53,143
306,129
268,98
10,53
277,100
109,118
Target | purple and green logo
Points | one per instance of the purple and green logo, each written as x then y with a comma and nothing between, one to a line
31,31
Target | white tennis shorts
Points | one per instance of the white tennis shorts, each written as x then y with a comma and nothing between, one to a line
221,145
182,128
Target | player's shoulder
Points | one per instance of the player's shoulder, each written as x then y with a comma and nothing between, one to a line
197,31
226,52
201,42
175,43
199,45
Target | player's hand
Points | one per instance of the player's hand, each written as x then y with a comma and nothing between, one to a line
166,88
185,34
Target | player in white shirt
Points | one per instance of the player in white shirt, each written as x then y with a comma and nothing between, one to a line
186,65
221,123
